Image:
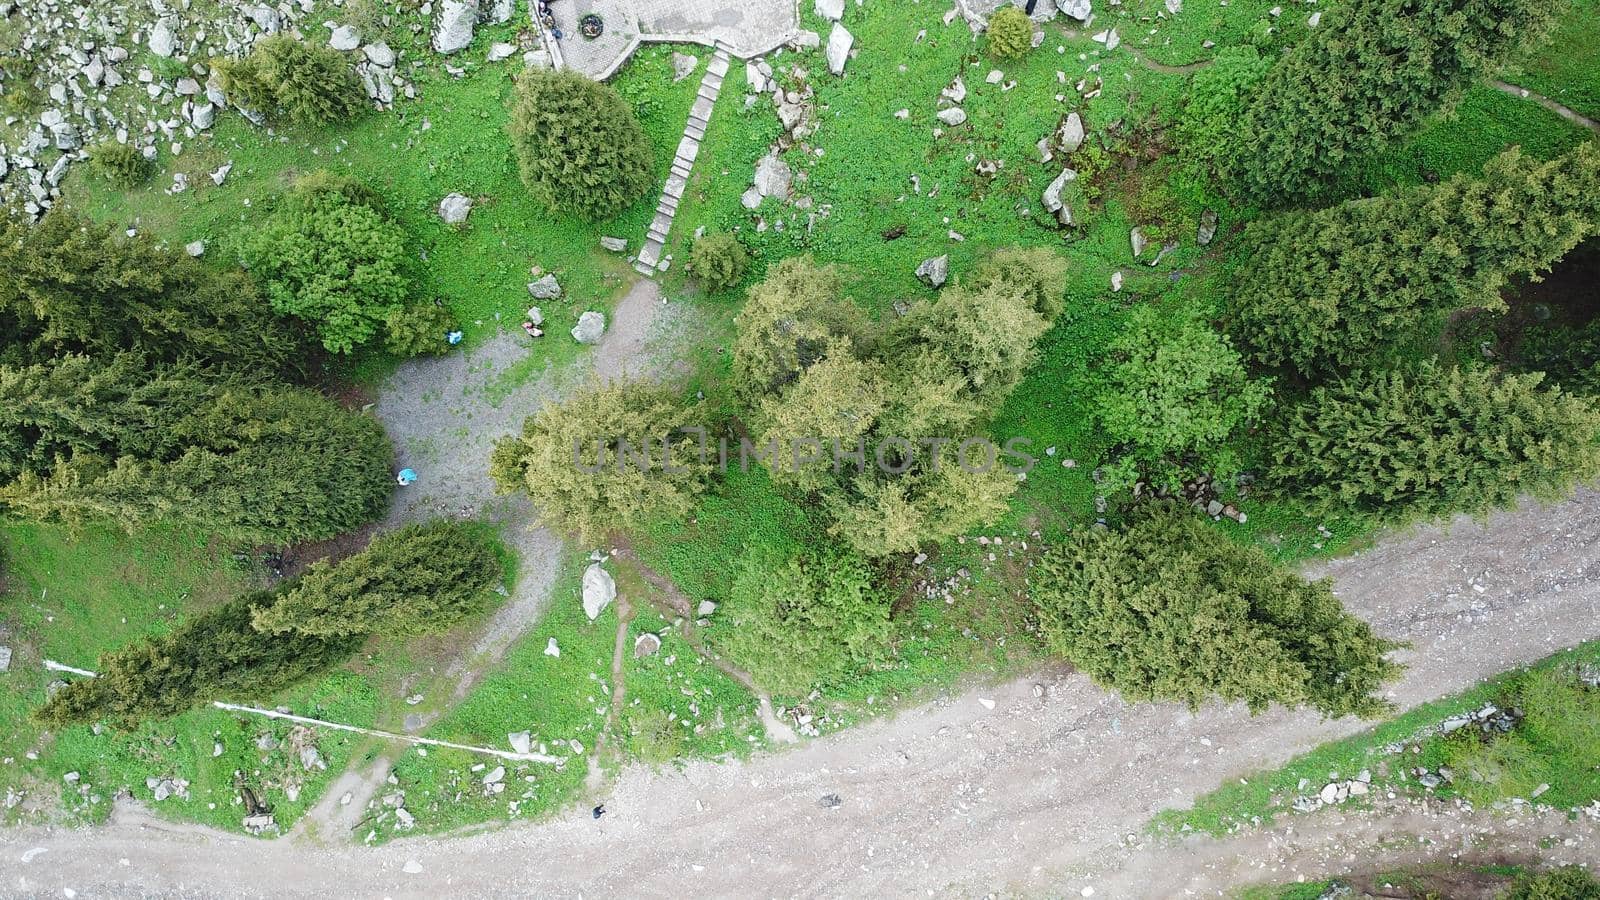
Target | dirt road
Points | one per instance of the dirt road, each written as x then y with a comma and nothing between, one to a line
1034,796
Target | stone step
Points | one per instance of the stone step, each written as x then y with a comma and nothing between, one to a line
682,168
712,81
698,132
662,222
719,63
701,110
650,253
707,92
667,206
688,149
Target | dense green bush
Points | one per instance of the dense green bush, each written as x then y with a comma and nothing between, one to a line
808,619
1038,273
579,145
1169,608
70,285
1368,77
1176,399
268,465
417,329
420,579
217,655
719,261
331,256
286,79
1010,33
1435,441
787,324
121,164
581,459
1565,883
1216,95
1332,288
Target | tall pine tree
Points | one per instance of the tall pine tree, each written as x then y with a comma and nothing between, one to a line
1436,441
1328,289
70,285
1366,78
81,440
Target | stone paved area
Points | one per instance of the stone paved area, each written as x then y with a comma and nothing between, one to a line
744,28
682,164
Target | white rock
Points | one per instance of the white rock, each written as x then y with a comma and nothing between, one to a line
839,43
501,50
546,288
832,10
453,27
599,589
495,774
412,867
1071,134
379,54
195,248
683,65
953,116
162,41
986,702
591,325
773,177
646,645
535,315
552,648
520,741
454,208
934,271
344,37
1077,9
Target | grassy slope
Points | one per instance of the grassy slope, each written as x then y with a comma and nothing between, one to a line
1261,797
451,139
70,597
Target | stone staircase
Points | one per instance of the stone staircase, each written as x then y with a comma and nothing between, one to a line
655,241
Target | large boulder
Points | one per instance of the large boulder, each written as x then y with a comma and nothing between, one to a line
832,10
773,177
839,43
1071,135
1052,197
591,325
345,37
546,288
454,24
163,40
935,271
599,589
953,116
454,208
1077,9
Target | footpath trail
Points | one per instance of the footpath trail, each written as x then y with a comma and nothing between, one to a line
444,420
1037,795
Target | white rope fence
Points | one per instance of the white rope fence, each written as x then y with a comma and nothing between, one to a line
54,666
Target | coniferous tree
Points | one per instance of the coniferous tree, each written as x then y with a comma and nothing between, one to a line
416,580
217,655
285,79
270,464
1329,289
69,285
787,324
1368,76
580,147
333,257
1436,441
1170,608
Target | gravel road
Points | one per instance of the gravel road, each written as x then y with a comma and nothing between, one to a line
1035,796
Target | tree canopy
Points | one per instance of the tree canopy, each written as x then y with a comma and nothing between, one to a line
580,147
1169,608
1435,441
1368,76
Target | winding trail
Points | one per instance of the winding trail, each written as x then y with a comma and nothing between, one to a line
1571,115
1036,795
444,421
